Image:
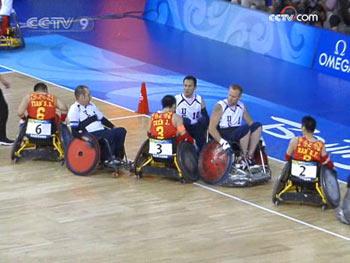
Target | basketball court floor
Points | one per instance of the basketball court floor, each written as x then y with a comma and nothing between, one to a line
50,215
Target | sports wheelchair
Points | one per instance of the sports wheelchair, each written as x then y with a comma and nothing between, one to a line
84,155
167,158
307,182
222,167
14,38
40,139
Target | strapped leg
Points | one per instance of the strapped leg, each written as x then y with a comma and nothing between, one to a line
5,24
255,134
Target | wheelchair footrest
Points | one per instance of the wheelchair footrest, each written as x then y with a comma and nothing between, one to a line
240,178
40,154
164,172
302,197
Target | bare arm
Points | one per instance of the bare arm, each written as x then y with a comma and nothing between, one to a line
246,116
4,82
214,121
177,122
22,108
323,152
149,125
292,146
62,106
203,104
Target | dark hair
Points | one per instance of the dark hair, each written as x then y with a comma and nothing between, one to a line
80,90
309,123
236,87
40,86
190,77
334,20
168,101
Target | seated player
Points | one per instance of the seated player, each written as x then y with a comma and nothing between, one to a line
5,13
84,117
226,125
343,211
41,105
192,108
307,147
166,124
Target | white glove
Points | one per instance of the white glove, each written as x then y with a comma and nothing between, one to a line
224,144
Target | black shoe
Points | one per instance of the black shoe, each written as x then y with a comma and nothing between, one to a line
112,163
6,142
251,162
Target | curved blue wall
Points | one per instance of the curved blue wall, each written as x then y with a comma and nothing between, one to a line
241,27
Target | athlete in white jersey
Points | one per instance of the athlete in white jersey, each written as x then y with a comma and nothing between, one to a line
226,123
84,117
192,108
5,13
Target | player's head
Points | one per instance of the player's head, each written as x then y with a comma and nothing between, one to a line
308,124
82,95
190,84
169,101
40,87
234,94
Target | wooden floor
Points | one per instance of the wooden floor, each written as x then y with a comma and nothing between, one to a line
49,215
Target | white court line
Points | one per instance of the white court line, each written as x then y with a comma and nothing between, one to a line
272,212
128,117
6,72
60,86
203,186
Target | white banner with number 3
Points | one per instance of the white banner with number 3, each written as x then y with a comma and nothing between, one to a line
304,169
160,148
38,128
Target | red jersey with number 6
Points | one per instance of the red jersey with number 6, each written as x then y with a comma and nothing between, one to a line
162,126
42,106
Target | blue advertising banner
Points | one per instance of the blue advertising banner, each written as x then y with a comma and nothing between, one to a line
240,27
333,55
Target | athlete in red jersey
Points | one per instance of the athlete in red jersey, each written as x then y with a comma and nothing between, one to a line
167,124
41,105
308,148
5,12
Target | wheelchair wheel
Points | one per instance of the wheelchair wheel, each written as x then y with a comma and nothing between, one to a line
281,182
188,161
141,157
214,163
17,143
330,186
82,157
65,136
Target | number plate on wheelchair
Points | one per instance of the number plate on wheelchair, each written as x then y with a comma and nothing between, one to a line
304,170
161,148
38,128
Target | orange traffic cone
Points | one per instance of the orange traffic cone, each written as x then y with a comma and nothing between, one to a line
143,101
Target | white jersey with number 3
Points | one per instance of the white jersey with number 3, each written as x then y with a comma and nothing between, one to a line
232,115
189,107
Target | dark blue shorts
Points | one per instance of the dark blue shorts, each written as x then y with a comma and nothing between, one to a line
234,134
